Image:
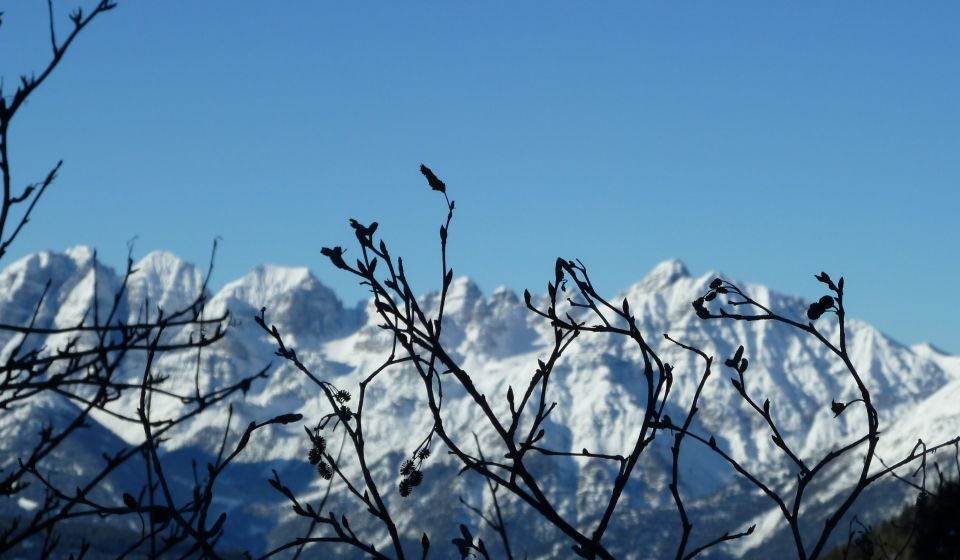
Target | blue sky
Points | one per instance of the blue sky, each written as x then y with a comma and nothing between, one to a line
768,140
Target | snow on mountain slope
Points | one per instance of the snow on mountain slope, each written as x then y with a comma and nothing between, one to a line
950,364
162,281
597,387
71,281
51,290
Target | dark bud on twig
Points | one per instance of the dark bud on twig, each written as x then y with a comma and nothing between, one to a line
342,396
404,488
406,467
335,255
820,307
245,438
315,455
285,419
735,360
716,283
435,183
425,544
837,408
814,312
130,501
700,309
218,524
362,230
423,453
825,278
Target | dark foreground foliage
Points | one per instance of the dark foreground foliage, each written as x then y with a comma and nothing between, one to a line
928,529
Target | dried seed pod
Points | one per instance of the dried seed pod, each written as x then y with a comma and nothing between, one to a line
415,478
325,471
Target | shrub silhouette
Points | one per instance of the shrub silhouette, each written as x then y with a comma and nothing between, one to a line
926,529
938,523
573,307
88,371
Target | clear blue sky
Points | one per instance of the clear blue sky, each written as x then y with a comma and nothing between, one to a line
766,139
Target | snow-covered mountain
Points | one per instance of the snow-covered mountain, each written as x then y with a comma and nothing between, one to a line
597,387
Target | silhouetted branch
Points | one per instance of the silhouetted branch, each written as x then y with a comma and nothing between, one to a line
816,310
496,523
88,364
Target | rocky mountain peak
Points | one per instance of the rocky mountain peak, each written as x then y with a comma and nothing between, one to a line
665,274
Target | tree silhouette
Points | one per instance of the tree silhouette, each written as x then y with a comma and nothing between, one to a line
89,365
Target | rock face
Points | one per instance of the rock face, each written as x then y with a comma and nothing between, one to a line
598,389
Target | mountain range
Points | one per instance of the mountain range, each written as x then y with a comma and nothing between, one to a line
597,388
